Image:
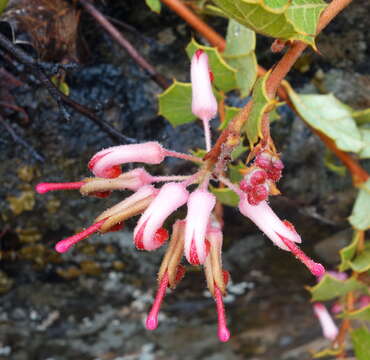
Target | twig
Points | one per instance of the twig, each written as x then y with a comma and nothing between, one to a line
21,141
118,37
38,69
231,132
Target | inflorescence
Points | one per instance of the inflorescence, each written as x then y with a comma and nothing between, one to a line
198,237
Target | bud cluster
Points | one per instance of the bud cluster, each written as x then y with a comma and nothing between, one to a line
260,180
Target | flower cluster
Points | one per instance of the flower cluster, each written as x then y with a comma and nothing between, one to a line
197,237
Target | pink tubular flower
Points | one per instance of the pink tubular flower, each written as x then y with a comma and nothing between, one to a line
106,163
328,326
204,104
148,234
282,233
200,206
268,222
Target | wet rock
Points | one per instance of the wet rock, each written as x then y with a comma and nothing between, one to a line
328,249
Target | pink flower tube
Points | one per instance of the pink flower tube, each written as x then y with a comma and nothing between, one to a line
268,222
200,206
106,163
204,104
148,234
328,326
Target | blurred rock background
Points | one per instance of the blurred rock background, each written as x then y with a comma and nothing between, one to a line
91,303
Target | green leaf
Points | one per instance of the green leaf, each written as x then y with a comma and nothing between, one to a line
226,196
282,19
362,117
154,5
327,352
234,172
348,252
330,161
3,5
361,263
224,75
261,103
328,115
175,104
329,288
62,85
230,113
365,151
239,150
362,314
239,53
360,217
361,343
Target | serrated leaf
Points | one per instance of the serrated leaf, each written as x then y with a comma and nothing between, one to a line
154,5
329,288
288,20
230,113
226,196
361,343
362,117
365,151
361,263
224,75
361,314
360,217
328,115
348,252
175,104
3,5
261,103
239,53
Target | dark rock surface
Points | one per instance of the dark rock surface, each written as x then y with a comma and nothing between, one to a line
91,303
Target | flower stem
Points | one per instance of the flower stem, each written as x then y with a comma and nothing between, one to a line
183,156
207,135
169,178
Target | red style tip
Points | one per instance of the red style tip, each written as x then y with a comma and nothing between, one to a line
315,268
223,331
43,188
152,319
198,53
64,245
